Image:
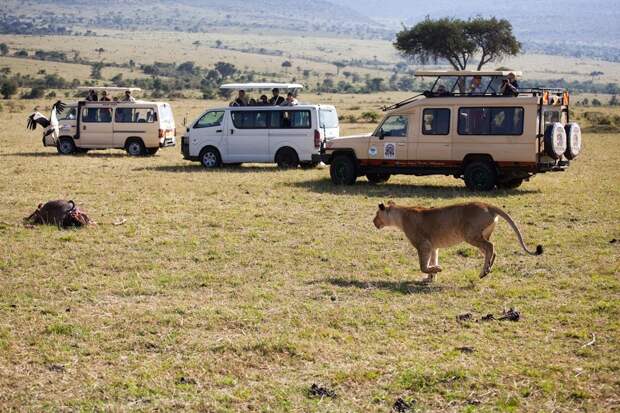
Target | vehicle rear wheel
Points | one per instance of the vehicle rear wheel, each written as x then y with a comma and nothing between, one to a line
65,146
510,184
151,151
480,176
377,178
135,147
342,170
287,158
210,158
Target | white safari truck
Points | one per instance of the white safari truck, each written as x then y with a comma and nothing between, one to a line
469,125
140,127
260,132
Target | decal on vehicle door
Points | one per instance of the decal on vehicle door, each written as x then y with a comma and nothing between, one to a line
389,151
372,151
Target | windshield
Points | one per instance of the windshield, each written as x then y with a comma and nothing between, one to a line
166,119
328,118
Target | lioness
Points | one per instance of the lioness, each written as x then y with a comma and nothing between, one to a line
429,229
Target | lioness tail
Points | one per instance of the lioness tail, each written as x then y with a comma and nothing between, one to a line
501,213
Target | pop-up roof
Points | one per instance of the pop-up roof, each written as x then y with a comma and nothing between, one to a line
248,86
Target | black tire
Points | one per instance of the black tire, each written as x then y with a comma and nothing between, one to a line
342,170
377,178
510,184
210,158
135,147
151,151
480,176
287,158
65,146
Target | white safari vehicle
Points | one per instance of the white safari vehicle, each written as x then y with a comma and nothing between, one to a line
139,127
470,125
287,135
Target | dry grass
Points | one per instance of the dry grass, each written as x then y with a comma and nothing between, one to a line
234,290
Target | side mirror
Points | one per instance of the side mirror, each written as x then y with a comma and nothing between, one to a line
381,133
187,129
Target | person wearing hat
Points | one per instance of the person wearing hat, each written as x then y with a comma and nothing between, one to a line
263,101
510,87
276,99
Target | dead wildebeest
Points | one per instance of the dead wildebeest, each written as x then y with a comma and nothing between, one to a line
61,213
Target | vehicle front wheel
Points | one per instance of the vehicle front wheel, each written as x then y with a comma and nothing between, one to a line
480,176
287,158
135,148
66,146
377,178
210,158
342,170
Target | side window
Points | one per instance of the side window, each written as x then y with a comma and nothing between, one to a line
96,115
296,119
210,119
69,113
250,119
394,126
490,121
436,122
135,115
551,116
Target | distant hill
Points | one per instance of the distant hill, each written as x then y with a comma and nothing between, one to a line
317,16
587,22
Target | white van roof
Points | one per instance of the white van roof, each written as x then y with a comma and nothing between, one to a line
110,88
247,86
422,73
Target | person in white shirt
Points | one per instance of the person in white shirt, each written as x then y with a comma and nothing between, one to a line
290,100
128,97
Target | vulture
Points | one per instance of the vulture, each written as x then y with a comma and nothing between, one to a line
38,118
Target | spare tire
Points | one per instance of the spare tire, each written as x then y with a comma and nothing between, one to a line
555,140
573,140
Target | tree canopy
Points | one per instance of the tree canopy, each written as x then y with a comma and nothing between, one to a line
458,41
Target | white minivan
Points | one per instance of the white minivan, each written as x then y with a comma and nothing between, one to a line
286,135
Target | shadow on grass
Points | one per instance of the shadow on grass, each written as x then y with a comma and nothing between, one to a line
325,186
202,169
402,287
55,154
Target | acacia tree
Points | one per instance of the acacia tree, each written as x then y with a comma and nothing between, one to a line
458,41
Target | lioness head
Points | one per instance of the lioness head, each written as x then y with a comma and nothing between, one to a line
383,217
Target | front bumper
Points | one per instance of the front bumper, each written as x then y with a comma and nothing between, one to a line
167,141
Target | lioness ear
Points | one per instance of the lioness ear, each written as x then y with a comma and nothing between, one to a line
382,207
391,203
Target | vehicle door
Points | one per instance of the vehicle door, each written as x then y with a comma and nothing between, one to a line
96,129
135,121
432,141
291,127
208,130
388,144
248,136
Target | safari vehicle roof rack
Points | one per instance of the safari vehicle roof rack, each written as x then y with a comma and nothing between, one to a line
109,88
259,86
